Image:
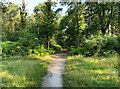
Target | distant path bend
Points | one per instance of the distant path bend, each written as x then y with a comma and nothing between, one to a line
55,70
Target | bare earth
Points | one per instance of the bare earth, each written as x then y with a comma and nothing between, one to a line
55,70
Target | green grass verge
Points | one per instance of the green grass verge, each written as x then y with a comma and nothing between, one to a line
22,71
91,72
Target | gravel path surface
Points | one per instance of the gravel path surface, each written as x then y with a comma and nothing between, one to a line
55,70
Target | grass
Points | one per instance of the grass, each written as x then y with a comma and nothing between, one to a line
91,72
24,71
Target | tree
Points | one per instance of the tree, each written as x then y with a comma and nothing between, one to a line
73,24
23,15
10,18
45,21
101,16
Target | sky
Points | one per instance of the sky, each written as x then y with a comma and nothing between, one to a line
30,4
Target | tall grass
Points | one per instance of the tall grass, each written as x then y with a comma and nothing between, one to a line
91,72
22,71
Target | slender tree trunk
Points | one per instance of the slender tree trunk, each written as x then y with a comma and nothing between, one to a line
48,42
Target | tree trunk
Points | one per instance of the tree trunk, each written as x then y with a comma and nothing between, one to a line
48,43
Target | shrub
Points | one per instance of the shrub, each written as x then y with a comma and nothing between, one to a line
110,47
94,44
97,45
11,48
81,50
56,47
91,46
118,49
51,51
107,53
28,41
39,50
111,42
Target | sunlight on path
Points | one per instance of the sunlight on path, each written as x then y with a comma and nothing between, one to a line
55,70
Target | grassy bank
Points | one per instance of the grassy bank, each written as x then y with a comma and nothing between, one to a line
23,71
91,72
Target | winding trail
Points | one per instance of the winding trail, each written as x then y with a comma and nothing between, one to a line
55,70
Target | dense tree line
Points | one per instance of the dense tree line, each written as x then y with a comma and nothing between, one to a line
90,28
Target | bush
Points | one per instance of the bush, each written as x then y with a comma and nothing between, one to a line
11,48
51,51
107,53
56,47
39,50
12,36
81,50
118,49
28,41
91,46
97,45
109,49
94,44
112,42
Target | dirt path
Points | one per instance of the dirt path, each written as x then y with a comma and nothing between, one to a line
55,70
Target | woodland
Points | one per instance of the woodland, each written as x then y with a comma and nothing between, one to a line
90,32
